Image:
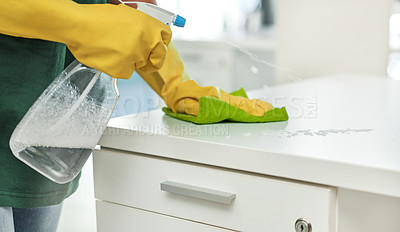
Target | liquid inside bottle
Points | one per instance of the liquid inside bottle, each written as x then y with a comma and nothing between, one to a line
61,129
61,163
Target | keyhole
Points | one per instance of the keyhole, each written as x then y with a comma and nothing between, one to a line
302,225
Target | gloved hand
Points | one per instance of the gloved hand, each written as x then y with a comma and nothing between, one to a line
204,104
114,39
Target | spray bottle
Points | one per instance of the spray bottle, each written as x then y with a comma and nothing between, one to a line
61,129
159,13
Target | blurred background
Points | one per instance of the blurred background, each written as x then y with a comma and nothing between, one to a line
257,44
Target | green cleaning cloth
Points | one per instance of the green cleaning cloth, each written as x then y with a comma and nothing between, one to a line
214,110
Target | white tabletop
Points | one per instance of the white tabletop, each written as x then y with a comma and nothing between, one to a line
343,131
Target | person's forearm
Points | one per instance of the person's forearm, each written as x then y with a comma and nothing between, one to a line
40,19
35,19
102,36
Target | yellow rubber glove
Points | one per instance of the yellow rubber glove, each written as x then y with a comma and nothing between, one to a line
114,39
172,83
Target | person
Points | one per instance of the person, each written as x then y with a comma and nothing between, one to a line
38,39
35,35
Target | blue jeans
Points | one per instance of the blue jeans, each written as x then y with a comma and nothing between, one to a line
43,219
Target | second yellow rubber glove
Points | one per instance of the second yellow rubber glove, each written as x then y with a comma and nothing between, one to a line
114,39
172,83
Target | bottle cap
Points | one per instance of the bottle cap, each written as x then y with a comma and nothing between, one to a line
179,21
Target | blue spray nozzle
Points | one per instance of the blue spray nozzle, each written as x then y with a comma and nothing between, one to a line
179,21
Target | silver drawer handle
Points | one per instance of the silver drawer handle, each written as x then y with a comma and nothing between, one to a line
198,192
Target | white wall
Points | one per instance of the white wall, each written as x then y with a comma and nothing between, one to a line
319,37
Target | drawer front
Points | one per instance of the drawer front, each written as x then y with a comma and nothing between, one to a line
261,203
201,59
117,218
210,68
251,74
206,77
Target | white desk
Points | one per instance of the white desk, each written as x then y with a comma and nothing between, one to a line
341,144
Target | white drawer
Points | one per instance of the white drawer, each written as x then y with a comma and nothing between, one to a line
223,80
262,203
215,56
117,218
207,59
